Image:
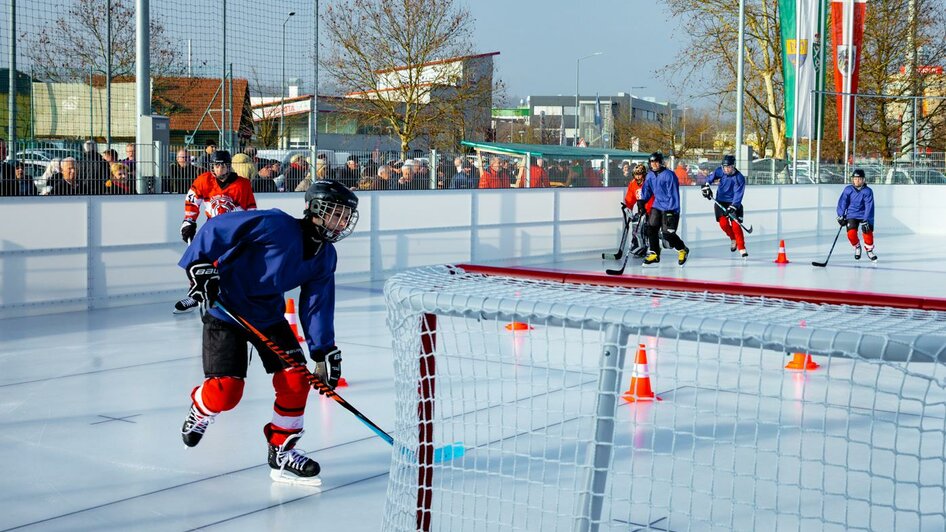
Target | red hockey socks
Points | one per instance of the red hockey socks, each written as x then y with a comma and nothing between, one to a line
218,394
733,231
869,241
726,227
292,391
852,237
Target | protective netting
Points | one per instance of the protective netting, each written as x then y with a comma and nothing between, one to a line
736,442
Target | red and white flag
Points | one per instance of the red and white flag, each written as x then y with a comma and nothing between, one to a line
847,26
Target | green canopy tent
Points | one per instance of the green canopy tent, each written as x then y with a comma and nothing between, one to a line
548,151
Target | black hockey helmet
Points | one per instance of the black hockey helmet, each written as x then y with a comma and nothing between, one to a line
335,205
729,160
858,173
656,157
221,157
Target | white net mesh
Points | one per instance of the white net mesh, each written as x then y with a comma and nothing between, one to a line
545,441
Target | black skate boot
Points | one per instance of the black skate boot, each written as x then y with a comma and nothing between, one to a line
857,252
871,256
194,426
744,253
732,246
185,305
291,466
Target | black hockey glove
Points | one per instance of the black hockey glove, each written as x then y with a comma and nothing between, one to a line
188,230
636,217
205,283
707,191
732,210
641,207
328,366
866,227
842,220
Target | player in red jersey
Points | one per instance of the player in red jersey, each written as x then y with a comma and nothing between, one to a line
217,191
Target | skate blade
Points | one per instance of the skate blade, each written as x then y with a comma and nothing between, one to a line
288,478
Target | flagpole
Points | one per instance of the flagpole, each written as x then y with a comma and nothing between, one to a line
823,6
740,84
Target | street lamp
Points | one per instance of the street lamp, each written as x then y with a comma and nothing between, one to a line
282,89
577,78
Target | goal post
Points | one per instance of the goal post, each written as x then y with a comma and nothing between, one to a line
538,377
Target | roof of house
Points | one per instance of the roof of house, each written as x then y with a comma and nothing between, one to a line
189,98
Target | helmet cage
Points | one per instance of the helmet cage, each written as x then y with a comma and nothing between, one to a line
337,220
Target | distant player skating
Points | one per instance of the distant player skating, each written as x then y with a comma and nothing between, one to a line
664,215
216,191
856,210
728,205
247,261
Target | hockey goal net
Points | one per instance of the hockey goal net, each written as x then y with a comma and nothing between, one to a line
521,403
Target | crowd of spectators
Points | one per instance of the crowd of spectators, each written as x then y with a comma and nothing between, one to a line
101,172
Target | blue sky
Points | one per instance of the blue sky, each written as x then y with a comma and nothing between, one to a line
540,40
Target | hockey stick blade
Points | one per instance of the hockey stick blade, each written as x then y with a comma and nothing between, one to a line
819,264
613,256
448,452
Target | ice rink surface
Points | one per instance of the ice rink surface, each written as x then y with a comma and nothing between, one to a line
91,403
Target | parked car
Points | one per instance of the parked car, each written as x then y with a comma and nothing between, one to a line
43,156
908,175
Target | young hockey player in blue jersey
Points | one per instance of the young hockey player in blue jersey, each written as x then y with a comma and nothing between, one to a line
664,215
732,186
856,209
247,261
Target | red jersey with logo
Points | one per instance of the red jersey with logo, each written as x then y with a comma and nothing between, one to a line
206,192
633,195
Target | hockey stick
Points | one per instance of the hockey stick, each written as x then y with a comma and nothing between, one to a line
733,218
447,452
825,263
627,224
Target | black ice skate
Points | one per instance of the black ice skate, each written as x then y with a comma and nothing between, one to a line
732,246
744,253
871,256
857,252
185,305
291,466
194,426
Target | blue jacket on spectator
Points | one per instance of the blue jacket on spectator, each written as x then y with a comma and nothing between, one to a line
462,180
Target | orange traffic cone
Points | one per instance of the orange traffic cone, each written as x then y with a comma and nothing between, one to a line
341,382
292,318
802,362
782,258
640,389
518,326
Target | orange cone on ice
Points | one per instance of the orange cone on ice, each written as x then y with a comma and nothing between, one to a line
518,326
640,389
802,362
782,257
293,319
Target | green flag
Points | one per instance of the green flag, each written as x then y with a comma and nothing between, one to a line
803,25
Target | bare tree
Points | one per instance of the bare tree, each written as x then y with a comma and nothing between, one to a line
77,41
711,27
380,54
